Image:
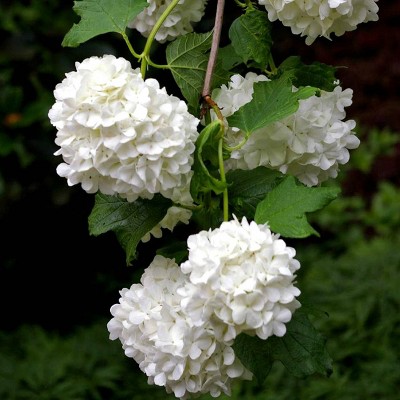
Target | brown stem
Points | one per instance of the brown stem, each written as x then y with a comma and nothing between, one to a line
210,103
214,48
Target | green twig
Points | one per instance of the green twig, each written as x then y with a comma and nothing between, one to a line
223,178
238,146
146,51
128,43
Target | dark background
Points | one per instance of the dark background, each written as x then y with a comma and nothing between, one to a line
52,272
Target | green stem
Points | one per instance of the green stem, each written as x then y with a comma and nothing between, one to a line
188,207
240,4
237,147
161,66
272,65
211,104
152,35
223,178
128,43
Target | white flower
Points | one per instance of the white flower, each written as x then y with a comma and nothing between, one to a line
309,144
241,280
161,338
313,18
120,134
237,93
174,216
179,21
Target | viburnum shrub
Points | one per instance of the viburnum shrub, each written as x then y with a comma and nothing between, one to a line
242,156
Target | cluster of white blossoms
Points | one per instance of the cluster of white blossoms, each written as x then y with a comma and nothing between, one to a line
121,134
179,322
241,279
178,22
313,18
162,339
309,144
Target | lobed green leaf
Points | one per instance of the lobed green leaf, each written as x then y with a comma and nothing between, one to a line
101,16
272,101
284,208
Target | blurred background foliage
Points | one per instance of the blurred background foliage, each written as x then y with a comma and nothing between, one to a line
57,283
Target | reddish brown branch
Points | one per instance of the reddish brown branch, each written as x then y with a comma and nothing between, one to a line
213,52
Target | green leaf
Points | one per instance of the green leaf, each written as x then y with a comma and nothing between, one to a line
187,57
228,57
101,16
250,35
285,207
302,350
272,101
316,74
207,153
210,215
129,221
249,187
255,354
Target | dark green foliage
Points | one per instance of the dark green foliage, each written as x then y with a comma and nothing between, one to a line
318,75
129,220
251,37
29,70
301,350
249,187
40,365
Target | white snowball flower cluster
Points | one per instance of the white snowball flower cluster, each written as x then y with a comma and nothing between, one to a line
174,216
241,279
313,18
120,134
179,21
162,339
179,323
309,144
